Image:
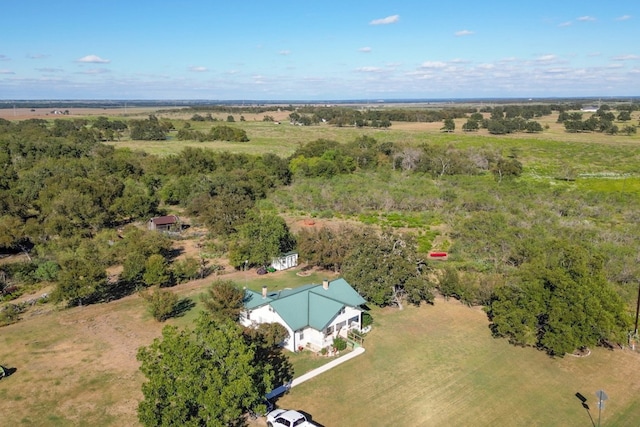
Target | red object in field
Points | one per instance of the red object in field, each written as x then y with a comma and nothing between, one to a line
438,255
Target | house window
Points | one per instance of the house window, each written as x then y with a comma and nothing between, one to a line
329,330
341,325
301,335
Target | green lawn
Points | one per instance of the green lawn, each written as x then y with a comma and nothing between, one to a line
439,366
435,365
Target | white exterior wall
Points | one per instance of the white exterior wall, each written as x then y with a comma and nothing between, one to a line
285,262
265,314
317,339
320,340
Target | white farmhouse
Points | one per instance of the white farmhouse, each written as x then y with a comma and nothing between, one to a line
312,314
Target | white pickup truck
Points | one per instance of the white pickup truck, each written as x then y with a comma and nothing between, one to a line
287,418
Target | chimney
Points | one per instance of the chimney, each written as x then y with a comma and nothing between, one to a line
325,284
264,292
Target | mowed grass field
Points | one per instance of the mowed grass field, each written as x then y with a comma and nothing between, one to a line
439,366
78,367
428,366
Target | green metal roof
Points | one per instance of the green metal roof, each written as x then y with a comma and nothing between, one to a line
308,305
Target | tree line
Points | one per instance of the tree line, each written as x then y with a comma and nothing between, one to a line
68,201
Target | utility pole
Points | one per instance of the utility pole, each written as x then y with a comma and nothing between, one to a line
602,396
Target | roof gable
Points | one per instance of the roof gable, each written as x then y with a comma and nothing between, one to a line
322,310
164,220
340,290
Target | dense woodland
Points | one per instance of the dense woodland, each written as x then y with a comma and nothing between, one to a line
555,266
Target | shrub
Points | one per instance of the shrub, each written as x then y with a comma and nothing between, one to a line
161,303
10,314
47,271
186,269
367,320
339,344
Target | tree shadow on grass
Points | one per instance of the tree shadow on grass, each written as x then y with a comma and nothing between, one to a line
118,290
182,307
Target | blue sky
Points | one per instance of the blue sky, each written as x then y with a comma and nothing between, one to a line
329,50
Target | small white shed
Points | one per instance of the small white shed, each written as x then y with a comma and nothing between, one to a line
285,261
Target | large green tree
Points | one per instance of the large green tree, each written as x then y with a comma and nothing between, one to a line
561,301
325,247
82,276
224,300
262,237
205,376
386,270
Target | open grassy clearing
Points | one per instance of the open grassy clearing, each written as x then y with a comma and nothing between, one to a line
438,365
78,366
434,365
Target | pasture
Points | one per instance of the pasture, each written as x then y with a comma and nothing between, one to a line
78,366
433,365
439,366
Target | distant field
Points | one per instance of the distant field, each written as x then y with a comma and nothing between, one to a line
284,138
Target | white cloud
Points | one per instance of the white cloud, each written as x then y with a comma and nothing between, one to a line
37,56
623,18
486,66
385,21
198,69
6,71
546,58
557,70
586,19
463,33
95,71
565,24
630,57
93,59
369,69
284,52
50,70
4,58
365,49
433,64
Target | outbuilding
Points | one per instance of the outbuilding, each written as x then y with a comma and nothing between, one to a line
285,261
165,223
